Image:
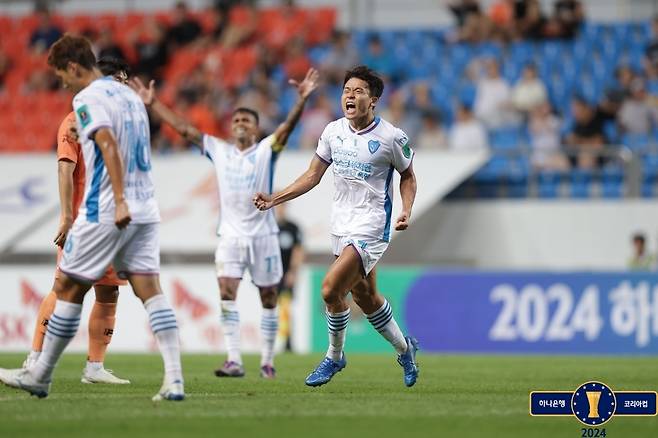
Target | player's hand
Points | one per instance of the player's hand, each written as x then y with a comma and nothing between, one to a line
146,94
263,202
122,215
65,225
403,221
310,83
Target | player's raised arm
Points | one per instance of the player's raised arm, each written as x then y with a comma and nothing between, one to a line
408,195
304,88
107,143
301,185
182,126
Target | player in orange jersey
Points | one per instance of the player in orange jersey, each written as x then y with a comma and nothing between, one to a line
71,177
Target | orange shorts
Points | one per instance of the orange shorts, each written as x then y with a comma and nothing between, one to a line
109,279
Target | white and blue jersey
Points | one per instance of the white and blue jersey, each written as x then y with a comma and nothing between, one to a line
363,163
240,174
106,103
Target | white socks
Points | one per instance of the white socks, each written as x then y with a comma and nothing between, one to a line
230,319
165,330
382,320
62,327
269,326
337,325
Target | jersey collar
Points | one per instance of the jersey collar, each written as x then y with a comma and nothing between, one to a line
367,129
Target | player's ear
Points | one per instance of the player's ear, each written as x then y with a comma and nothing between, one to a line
373,101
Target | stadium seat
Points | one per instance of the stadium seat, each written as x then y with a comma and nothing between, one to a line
548,184
612,178
581,183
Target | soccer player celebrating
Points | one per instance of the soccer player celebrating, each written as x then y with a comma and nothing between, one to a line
71,177
364,151
118,220
247,237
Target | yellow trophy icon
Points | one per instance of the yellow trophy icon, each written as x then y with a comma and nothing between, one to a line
593,398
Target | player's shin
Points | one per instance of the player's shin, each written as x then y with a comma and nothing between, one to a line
165,329
382,320
61,329
337,326
230,319
269,326
101,328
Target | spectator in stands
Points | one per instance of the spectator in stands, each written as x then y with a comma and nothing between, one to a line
637,115
624,76
501,14
46,32
421,104
395,112
530,20
242,27
472,25
640,260
431,134
151,49
568,16
651,52
544,129
296,62
493,98
379,59
106,47
468,133
184,28
587,140
529,92
341,57
314,120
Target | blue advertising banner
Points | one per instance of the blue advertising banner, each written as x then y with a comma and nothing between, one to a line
509,312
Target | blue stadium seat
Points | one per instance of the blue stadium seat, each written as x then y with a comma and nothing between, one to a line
548,184
505,139
612,180
581,183
610,131
648,190
636,142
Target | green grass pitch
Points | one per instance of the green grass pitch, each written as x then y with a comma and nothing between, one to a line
456,396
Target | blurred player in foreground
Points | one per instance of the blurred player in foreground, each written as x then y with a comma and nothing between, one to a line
364,150
118,220
71,178
247,237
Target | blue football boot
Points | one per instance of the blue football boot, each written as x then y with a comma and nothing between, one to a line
325,371
408,361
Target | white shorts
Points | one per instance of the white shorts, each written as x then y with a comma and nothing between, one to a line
261,255
91,247
370,250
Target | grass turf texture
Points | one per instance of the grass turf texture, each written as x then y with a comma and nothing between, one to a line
456,396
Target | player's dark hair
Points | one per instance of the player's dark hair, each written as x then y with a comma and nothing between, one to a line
639,237
71,48
110,66
243,109
368,75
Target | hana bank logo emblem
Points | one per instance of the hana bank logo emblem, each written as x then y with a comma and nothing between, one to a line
593,403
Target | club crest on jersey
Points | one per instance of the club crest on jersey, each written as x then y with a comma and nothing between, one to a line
373,145
83,116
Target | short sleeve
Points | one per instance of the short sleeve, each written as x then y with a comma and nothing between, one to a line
212,146
67,145
402,152
92,114
324,149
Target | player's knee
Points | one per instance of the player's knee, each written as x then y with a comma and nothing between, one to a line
330,293
107,294
268,297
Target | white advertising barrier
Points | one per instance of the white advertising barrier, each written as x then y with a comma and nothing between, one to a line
192,291
187,193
